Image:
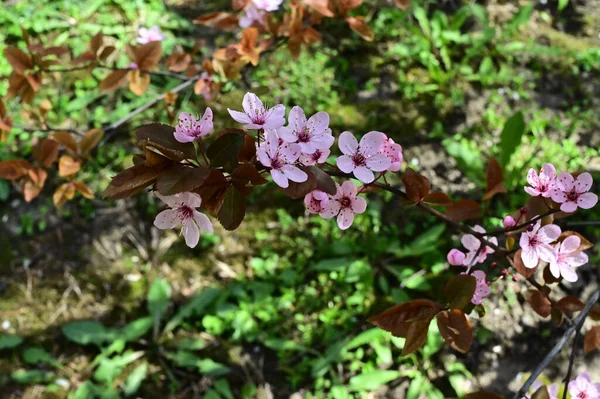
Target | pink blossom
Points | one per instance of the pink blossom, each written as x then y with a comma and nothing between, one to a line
542,184
482,289
267,5
182,213
567,258
472,243
319,156
190,129
344,204
393,151
362,158
279,157
150,35
312,134
252,16
571,193
551,389
509,222
456,257
133,65
257,116
316,201
535,244
583,388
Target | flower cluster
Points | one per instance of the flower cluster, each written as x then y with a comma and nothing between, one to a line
563,189
581,387
475,254
146,35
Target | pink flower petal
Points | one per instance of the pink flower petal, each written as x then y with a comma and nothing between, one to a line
182,137
555,269
532,177
294,174
470,242
558,196
332,209
263,157
532,191
345,164
568,273
529,257
323,142
364,174
191,233
565,181
546,253
279,178
549,233
578,259
271,144
318,123
587,200
348,143
275,117
371,143
378,162
167,219
290,152
203,222
584,182
549,171
287,134
192,200
296,119
252,105
348,189
345,218
570,244
239,116
568,206
359,205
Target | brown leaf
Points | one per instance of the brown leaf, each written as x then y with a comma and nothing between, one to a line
417,186
131,181
106,52
570,304
233,210
239,4
592,340
14,169
138,82
147,55
84,189
557,317
460,290
179,178
249,173
67,165
299,190
397,319
585,243
520,266
114,80
483,395
213,191
18,59
358,25
160,137
96,42
178,62
463,210
416,335
248,45
595,313
324,182
33,183
403,4
346,5
437,198
46,152
63,194
248,150
540,303
90,139
321,6
455,329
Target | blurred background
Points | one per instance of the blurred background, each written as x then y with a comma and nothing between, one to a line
97,303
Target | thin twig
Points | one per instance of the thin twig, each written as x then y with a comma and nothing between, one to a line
524,224
571,361
46,130
559,345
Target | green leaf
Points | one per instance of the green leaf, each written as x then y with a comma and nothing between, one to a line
233,210
223,152
434,341
372,380
137,328
222,386
158,300
9,341
562,4
195,307
32,376
110,369
204,366
87,332
135,378
37,355
416,387
4,190
86,390
511,136
366,337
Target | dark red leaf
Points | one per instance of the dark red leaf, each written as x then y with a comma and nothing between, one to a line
455,329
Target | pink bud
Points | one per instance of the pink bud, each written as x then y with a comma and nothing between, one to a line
456,257
515,278
509,222
523,210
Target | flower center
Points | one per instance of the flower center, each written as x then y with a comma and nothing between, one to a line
316,155
345,202
185,212
359,159
582,395
259,117
304,135
276,163
533,241
542,187
573,195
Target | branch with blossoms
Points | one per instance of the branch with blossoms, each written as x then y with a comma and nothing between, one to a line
189,166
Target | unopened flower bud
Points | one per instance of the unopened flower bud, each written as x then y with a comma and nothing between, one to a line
530,228
515,279
456,257
493,264
504,272
509,222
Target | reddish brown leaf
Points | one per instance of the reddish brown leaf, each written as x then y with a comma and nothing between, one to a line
46,152
540,303
324,182
403,4
96,42
248,150
417,186
346,5
178,62
459,290
90,139
455,329
595,313
131,181
397,319
84,189
239,4
233,210
33,183
213,191
147,55
114,80
570,304
321,6
358,25
437,198
14,169
106,52
18,59
592,340
557,317
299,190
160,138
416,335
549,277
248,45
250,173
138,82
520,266
179,178
67,165
63,194
463,210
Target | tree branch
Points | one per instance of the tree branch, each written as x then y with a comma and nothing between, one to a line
559,345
